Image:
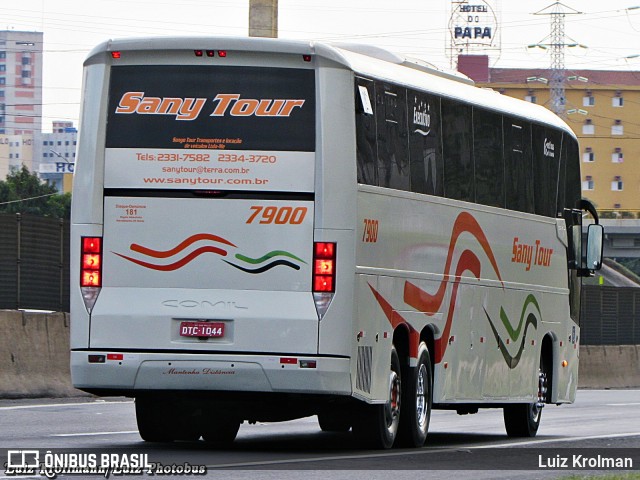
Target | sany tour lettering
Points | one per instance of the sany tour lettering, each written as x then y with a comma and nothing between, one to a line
190,108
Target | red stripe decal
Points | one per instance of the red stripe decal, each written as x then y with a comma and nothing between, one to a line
395,319
431,304
179,263
468,262
189,241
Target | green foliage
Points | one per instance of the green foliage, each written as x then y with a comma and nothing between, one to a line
23,192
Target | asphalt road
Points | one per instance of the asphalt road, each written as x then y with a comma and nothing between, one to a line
605,423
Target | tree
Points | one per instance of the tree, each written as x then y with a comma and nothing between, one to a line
23,192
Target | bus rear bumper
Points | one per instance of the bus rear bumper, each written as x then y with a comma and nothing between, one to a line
129,372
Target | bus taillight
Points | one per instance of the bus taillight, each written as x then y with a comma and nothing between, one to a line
91,262
324,275
324,258
90,269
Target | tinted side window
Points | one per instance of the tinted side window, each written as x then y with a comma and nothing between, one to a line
456,146
393,145
518,174
366,149
487,156
547,144
573,191
561,197
425,148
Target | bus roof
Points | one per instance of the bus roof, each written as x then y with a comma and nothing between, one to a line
364,60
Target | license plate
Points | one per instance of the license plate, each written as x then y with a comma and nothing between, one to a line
201,329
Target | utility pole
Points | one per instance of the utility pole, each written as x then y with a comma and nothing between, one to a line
263,18
556,42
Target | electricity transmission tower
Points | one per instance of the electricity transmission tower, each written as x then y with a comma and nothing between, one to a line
556,42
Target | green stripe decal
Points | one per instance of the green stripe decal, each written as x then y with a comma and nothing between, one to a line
514,334
274,253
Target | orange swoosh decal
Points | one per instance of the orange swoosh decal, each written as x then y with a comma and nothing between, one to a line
180,263
429,304
177,249
468,262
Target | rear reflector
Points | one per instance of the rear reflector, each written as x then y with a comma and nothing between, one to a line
288,361
115,356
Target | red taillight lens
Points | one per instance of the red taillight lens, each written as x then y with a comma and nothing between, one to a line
115,54
324,263
323,267
91,278
198,53
91,245
323,283
222,53
210,53
324,250
90,261
91,265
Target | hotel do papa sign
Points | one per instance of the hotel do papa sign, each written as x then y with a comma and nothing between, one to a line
473,24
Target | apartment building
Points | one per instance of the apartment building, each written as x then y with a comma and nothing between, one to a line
603,109
20,82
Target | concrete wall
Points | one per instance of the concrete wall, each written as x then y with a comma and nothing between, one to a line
34,358
34,355
609,366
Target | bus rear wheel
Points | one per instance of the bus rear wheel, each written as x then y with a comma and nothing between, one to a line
416,401
159,421
377,425
220,431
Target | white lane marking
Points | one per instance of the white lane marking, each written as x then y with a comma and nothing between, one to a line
424,451
45,405
622,404
89,434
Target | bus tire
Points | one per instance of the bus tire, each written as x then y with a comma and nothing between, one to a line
417,397
523,419
376,426
331,422
151,424
221,431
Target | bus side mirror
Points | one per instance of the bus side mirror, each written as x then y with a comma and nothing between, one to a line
595,234
593,259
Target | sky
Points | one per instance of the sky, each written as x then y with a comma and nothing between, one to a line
610,31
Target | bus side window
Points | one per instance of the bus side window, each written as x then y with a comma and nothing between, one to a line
571,186
487,157
456,146
518,174
425,146
547,144
393,145
367,156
